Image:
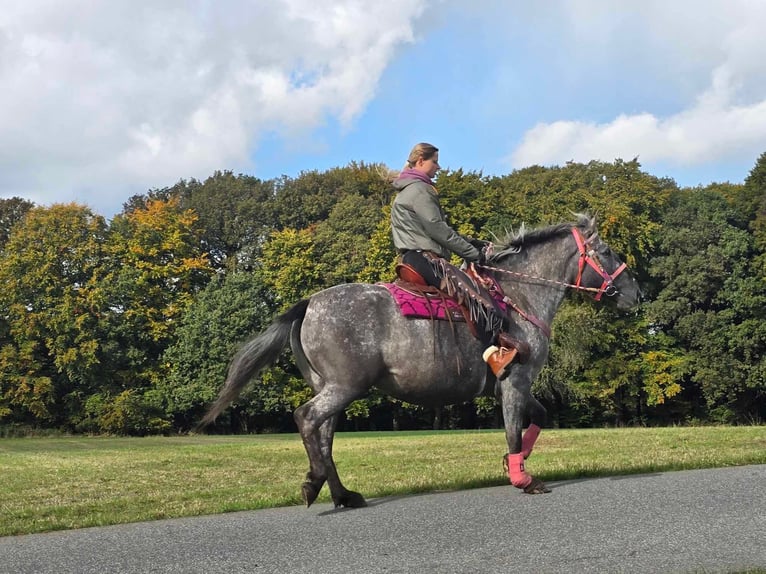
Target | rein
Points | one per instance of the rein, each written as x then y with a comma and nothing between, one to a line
587,257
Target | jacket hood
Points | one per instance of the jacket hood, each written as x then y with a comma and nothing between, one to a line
402,182
408,176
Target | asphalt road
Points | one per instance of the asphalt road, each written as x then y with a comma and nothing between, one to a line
686,522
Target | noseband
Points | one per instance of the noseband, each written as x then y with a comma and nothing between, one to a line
588,257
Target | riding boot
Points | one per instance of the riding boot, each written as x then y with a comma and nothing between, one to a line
500,358
504,340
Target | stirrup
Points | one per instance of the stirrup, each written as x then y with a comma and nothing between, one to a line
505,340
499,359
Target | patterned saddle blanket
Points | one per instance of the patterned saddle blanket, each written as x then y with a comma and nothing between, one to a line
415,303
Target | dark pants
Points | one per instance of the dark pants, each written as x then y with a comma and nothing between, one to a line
419,263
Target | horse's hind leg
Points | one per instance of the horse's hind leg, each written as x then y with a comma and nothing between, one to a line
341,496
309,418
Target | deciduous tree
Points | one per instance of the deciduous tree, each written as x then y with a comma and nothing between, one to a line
52,299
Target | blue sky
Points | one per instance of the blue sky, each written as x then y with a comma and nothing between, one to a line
104,99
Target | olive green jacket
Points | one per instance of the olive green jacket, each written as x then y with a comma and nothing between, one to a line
418,222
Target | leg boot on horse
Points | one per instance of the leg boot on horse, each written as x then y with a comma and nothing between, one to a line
518,406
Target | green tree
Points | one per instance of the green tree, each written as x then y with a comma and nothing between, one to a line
381,256
12,211
309,199
236,215
155,269
51,303
463,197
290,265
342,241
161,269
712,304
230,310
753,205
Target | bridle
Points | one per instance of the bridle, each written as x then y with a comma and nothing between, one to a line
588,257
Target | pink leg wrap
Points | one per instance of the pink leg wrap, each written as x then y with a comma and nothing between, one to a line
519,477
529,438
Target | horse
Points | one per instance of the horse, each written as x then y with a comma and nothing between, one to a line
350,337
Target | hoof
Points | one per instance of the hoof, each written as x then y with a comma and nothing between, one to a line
350,500
309,492
537,486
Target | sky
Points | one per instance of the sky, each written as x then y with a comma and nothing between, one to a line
104,99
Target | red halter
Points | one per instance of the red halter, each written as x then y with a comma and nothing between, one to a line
588,256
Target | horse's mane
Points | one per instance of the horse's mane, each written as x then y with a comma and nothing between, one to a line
513,242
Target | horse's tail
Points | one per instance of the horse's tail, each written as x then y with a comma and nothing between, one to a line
253,357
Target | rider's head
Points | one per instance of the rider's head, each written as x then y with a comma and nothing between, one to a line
424,157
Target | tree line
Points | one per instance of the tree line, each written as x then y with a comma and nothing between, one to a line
127,326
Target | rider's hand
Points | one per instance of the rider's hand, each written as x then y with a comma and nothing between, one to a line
477,243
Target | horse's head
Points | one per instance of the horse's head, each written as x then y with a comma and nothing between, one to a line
597,269
600,270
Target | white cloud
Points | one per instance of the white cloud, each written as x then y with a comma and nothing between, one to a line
146,93
718,45
101,99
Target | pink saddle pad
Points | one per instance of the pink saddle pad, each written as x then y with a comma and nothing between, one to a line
413,304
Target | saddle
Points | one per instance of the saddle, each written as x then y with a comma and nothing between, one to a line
407,274
417,299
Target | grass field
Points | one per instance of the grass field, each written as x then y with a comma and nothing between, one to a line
51,484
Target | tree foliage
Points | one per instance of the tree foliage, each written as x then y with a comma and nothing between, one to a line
128,326
12,211
51,273
712,302
229,310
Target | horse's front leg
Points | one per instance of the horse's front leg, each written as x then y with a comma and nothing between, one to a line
518,406
536,415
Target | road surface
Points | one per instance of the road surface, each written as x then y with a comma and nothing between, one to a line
687,522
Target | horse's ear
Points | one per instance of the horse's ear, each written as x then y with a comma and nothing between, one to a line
591,226
588,223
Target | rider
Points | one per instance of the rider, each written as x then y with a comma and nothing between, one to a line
425,240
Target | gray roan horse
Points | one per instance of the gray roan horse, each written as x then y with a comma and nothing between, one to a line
351,337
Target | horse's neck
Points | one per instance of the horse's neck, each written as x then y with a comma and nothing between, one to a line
545,267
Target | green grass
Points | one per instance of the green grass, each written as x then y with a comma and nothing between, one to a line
58,483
